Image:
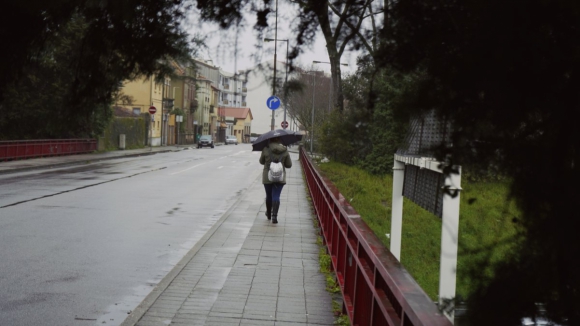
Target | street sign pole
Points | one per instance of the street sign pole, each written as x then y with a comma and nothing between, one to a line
273,102
152,111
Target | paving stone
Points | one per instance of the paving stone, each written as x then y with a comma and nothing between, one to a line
320,319
221,321
225,314
287,323
291,317
253,322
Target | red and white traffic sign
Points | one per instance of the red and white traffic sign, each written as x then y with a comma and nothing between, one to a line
284,124
152,110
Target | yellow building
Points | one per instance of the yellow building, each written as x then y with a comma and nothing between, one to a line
145,92
238,121
184,102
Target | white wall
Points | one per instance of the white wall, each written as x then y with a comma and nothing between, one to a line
259,89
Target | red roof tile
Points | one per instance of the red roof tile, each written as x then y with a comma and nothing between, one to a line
238,113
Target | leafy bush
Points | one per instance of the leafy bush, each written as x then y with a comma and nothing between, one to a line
366,133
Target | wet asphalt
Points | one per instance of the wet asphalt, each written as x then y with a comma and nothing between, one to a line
155,237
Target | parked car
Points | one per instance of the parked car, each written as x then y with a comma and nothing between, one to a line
205,141
253,139
231,140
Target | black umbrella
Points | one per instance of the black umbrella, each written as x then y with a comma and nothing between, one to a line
287,137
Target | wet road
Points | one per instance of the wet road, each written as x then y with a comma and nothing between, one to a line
84,245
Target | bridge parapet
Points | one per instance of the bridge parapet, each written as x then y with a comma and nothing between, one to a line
376,288
20,149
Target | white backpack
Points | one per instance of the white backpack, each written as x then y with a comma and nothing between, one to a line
276,172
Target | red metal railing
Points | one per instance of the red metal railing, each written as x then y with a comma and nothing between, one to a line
376,288
18,149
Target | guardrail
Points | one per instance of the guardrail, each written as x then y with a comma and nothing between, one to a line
19,149
376,288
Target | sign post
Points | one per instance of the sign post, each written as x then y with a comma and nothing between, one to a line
152,111
178,119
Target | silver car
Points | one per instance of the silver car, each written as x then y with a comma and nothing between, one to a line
231,140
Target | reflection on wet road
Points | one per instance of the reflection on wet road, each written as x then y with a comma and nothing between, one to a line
85,244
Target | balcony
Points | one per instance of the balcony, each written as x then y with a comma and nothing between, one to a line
226,86
243,103
226,102
244,89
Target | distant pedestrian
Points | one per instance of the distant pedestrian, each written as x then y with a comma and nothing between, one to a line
274,152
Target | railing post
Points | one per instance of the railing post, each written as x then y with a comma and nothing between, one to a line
449,244
397,209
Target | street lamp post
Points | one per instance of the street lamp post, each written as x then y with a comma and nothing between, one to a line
286,71
330,88
312,111
274,79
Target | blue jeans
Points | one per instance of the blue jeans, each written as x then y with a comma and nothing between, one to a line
273,191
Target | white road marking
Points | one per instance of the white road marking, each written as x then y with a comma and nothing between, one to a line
219,167
187,169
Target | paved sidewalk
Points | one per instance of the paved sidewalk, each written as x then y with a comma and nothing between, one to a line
247,271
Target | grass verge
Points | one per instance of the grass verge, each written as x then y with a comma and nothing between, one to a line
486,232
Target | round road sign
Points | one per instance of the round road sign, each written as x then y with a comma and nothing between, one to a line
273,102
284,124
152,110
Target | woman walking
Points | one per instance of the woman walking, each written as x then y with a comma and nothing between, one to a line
274,152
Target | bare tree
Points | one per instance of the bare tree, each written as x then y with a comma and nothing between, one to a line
308,98
343,23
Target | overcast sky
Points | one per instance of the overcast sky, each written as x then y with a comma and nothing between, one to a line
251,50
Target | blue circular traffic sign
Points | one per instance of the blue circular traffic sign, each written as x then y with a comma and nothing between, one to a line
273,102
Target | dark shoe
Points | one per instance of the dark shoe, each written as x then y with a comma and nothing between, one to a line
275,207
269,209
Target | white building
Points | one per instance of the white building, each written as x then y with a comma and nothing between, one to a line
232,93
260,89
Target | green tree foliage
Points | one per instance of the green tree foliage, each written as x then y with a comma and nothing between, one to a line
367,132
64,69
507,73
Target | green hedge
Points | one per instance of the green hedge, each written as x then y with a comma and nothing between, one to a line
134,129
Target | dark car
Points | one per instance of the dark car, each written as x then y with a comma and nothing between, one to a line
205,141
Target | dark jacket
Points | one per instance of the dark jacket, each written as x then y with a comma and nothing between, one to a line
280,152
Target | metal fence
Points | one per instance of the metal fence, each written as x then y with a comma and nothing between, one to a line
20,149
376,288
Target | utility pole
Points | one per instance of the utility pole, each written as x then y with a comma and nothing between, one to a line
274,79
286,70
